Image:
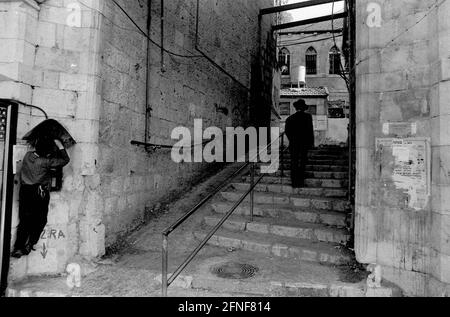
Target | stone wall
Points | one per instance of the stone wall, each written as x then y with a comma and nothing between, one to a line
85,64
51,65
402,81
180,90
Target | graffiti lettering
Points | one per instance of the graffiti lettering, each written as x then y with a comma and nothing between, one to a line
52,234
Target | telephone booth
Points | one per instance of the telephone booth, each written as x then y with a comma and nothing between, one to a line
8,137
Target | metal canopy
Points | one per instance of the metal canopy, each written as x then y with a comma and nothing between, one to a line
312,32
310,21
294,6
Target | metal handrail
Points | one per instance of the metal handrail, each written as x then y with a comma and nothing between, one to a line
166,281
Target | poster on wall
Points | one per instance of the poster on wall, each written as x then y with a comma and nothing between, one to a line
320,123
411,168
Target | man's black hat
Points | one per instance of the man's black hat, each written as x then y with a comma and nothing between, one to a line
301,105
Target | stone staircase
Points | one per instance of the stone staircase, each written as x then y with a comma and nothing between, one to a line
298,237
306,224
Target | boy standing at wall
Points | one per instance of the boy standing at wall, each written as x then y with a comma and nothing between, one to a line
34,195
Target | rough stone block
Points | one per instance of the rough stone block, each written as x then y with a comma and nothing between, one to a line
182,281
321,204
46,34
379,292
256,247
309,255
40,262
229,242
301,202
280,250
74,82
258,227
93,239
18,269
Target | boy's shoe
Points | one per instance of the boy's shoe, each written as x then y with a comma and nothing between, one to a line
17,254
28,248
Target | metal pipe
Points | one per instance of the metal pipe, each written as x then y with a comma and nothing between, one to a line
147,94
139,143
352,158
163,68
32,106
165,261
282,161
252,193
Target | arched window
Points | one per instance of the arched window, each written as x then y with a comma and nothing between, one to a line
311,61
284,61
335,61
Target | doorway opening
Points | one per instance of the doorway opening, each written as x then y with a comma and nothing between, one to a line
345,69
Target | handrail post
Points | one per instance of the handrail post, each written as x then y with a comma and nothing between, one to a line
166,281
164,265
252,193
282,156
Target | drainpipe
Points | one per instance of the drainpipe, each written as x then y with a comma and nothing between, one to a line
147,94
163,67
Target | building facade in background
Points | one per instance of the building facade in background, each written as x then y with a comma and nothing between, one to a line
311,62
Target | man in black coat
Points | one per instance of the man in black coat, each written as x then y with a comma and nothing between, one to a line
300,132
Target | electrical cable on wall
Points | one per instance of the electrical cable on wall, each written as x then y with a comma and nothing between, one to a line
34,107
203,55
138,28
342,69
307,42
148,36
393,40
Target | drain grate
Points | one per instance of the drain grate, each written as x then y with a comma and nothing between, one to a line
235,271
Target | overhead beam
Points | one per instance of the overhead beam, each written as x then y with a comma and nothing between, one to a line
309,21
294,6
312,32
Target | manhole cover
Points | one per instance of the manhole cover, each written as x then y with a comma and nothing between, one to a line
235,271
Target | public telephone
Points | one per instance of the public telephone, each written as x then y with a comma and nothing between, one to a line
8,137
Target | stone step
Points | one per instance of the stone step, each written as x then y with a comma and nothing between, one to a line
287,189
327,175
326,168
328,218
320,156
290,229
313,174
309,182
321,165
287,162
282,200
322,151
273,245
278,276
